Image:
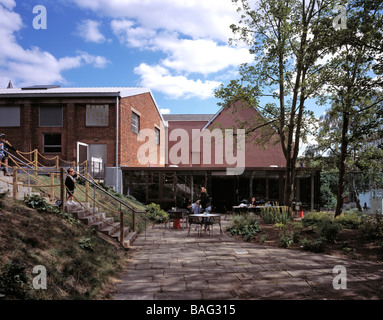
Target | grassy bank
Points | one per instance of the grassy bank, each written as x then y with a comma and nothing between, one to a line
79,263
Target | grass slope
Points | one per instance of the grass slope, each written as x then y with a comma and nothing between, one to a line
79,263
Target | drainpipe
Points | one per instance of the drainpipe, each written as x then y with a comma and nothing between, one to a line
117,142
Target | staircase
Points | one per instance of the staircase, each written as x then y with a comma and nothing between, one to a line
99,220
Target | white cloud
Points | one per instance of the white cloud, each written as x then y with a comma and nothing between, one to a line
175,87
9,4
196,18
89,31
33,65
165,111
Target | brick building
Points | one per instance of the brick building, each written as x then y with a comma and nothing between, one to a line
98,124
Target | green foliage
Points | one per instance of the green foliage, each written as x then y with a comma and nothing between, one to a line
286,238
14,283
351,219
328,230
316,246
314,218
272,215
86,244
41,205
155,211
372,229
244,225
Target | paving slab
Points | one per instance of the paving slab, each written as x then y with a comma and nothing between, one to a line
166,264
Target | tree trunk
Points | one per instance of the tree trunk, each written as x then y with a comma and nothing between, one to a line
342,165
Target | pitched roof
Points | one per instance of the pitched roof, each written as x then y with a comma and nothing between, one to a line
188,117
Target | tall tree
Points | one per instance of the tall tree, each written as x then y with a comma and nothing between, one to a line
287,38
353,79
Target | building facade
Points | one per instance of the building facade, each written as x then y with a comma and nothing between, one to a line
100,125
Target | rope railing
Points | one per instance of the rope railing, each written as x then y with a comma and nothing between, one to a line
101,198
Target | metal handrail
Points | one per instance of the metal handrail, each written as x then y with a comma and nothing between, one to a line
110,195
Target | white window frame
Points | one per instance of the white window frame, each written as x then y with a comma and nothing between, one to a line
135,123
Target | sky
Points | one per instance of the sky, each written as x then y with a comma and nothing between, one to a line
177,48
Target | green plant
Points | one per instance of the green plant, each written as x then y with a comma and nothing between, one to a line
372,229
272,215
328,230
244,225
286,238
351,219
263,238
316,246
314,218
85,243
154,210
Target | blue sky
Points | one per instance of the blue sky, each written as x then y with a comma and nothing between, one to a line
177,48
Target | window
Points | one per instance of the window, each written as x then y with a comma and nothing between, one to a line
52,142
51,116
157,135
10,116
97,115
135,122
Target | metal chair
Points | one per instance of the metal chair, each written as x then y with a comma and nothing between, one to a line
195,221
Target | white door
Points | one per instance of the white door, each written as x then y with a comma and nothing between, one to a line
82,154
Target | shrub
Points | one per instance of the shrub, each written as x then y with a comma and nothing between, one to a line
328,230
314,218
155,211
316,246
372,229
351,219
286,238
244,225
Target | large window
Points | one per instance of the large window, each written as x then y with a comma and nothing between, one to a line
51,116
10,116
135,122
97,115
52,143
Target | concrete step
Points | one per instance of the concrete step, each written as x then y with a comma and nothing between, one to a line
110,228
128,241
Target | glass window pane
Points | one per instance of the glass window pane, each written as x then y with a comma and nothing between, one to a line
10,116
51,116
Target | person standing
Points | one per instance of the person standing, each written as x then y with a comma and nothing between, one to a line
70,183
204,199
4,146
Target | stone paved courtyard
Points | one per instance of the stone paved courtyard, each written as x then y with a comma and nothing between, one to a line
166,264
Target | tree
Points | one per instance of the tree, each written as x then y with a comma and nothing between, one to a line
353,78
287,38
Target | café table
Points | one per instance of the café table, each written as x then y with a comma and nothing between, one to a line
203,217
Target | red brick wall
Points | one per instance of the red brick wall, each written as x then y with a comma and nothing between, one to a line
149,117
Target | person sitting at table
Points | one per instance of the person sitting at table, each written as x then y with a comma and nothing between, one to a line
196,207
253,202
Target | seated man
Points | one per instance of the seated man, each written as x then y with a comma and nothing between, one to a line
196,207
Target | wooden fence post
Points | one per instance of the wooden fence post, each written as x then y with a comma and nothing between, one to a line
36,161
14,169
87,187
52,193
62,188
